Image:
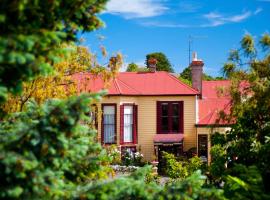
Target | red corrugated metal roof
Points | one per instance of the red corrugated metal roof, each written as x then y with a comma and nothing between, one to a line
168,138
215,98
135,83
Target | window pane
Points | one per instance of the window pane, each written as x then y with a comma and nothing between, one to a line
128,109
164,124
109,124
175,108
128,123
109,110
109,133
175,124
164,109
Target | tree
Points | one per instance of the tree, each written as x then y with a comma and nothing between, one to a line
46,152
31,32
247,145
163,64
60,84
132,67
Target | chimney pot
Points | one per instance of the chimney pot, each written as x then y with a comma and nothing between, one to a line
152,64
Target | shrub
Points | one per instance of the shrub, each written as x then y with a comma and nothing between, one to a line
114,154
181,169
46,153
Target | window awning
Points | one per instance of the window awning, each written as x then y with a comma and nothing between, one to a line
168,138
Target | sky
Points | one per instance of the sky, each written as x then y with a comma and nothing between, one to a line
213,27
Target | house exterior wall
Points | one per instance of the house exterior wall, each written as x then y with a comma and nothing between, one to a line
208,131
147,125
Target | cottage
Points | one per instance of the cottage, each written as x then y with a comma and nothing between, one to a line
154,111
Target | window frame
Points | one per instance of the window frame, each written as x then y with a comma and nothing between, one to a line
170,117
115,123
134,124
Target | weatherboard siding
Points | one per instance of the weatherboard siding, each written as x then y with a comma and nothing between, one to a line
209,131
147,120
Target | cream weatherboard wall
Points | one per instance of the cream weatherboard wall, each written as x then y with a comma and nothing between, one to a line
147,110
208,131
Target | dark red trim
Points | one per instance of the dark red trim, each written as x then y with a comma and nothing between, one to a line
181,117
135,124
158,117
121,124
115,122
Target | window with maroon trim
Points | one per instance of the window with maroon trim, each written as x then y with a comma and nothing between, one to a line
128,124
108,125
170,117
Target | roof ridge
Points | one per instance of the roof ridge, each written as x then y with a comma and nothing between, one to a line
180,82
117,86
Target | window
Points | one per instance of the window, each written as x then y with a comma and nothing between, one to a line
128,123
203,147
169,117
109,123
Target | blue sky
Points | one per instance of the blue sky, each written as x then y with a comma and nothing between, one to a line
138,27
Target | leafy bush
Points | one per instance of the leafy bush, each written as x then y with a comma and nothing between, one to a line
217,167
135,187
114,154
46,153
245,183
180,169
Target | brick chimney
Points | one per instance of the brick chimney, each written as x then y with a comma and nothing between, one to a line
196,72
152,64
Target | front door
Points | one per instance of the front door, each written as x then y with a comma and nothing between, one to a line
176,150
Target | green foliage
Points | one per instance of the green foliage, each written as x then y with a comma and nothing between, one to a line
217,138
114,154
191,188
31,32
245,183
173,168
186,74
180,169
46,152
186,81
163,64
217,168
135,187
247,143
132,67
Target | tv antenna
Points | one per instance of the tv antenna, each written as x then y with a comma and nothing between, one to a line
190,41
